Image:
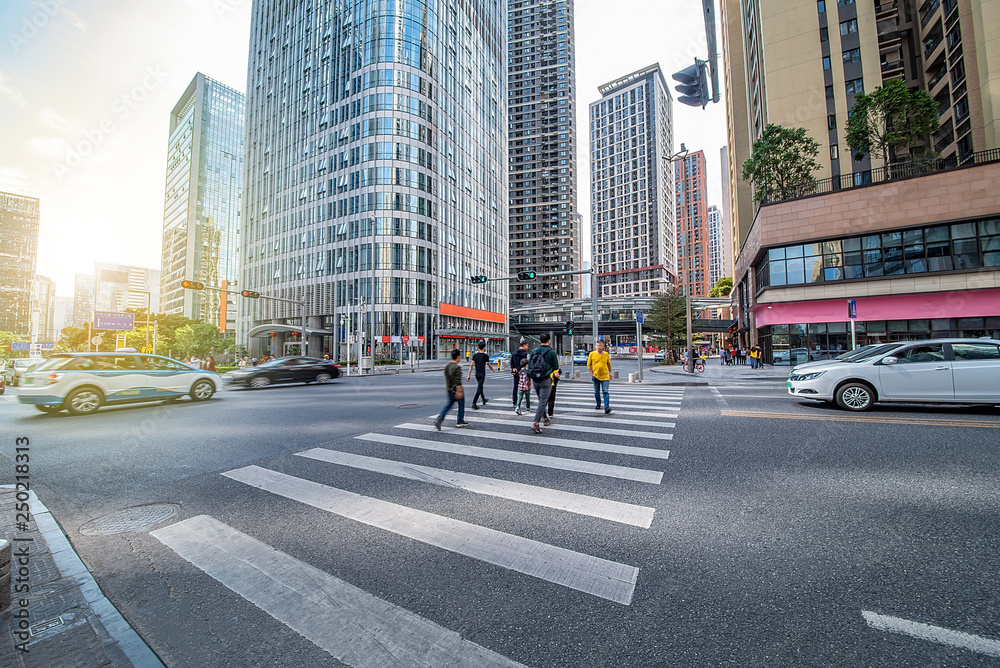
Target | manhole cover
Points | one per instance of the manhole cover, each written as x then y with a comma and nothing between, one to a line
130,520
412,405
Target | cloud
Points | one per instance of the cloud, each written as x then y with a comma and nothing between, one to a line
13,179
50,147
74,19
51,119
11,92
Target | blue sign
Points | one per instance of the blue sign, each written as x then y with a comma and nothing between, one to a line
19,345
852,309
638,317
110,320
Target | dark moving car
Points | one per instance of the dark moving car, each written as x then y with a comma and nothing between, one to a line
286,370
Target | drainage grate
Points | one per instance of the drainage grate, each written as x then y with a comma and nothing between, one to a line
412,405
130,520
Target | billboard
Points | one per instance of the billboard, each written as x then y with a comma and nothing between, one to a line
111,320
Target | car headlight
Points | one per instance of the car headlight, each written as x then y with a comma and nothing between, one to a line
809,376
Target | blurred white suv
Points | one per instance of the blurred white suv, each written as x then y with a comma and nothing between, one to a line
960,371
83,382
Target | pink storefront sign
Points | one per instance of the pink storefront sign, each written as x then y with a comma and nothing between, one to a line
966,304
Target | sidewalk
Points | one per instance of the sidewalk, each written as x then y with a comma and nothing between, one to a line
714,372
58,614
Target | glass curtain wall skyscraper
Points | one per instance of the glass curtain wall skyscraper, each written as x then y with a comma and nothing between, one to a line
544,228
201,211
19,224
375,174
632,185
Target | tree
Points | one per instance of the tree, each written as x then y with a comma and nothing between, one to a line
781,164
668,320
7,338
722,287
199,338
890,119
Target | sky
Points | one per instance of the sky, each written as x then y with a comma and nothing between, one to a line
87,86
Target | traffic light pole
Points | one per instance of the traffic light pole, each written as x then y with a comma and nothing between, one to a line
593,292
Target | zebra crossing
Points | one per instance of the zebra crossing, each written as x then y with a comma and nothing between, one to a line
363,630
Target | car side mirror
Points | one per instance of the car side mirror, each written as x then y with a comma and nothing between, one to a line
890,360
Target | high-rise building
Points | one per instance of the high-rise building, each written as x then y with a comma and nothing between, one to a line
730,251
720,258
201,211
693,253
43,291
62,316
118,287
83,300
375,174
915,248
809,77
545,232
19,220
632,185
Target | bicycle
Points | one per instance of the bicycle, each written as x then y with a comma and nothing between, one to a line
699,365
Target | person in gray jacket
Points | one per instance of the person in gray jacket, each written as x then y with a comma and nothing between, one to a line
456,393
543,385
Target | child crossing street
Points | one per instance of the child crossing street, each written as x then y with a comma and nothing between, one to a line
523,388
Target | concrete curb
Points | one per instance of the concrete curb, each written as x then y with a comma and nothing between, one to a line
72,567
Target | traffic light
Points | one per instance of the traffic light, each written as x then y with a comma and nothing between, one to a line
733,327
192,285
478,279
525,275
569,327
251,294
694,85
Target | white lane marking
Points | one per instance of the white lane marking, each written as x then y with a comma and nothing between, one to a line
583,572
616,511
355,627
617,393
524,420
544,440
631,405
597,416
719,399
932,633
560,463
668,411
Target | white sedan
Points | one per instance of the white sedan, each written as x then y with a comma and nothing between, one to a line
962,371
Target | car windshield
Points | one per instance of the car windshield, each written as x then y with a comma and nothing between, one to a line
51,364
273,363
875,351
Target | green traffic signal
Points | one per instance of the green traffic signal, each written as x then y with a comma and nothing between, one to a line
479,279
525,275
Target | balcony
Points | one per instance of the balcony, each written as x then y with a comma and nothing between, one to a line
892,66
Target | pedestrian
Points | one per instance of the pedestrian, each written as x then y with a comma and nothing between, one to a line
723,356
254,361
479,362
242,363
210,363
523,388
753,358
599,365
456,394
543,367
520,355
551,404
195,362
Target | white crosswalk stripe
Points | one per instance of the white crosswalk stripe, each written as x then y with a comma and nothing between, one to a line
545,440
564,464
593,575
625,513
350,624
672,413
514,419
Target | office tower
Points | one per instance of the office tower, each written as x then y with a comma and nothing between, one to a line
43,291
201,211
916,248
83,300
730,250
375,174
19,220
62,316
691,192
118,287
545,232
632,185
720,262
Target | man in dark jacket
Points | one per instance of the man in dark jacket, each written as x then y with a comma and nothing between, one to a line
543,387
519,356
479,362
453,382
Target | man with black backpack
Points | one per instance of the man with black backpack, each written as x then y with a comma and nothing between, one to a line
543,368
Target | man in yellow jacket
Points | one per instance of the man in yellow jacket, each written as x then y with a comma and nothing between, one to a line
599,364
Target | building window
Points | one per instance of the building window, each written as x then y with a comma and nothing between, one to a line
824,34
826,62
829,92
831,121
855,86
848,27
852,56
834,152
821,6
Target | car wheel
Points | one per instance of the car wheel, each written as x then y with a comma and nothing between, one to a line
49,408
84,401
202,390
323,377
855,397
258,382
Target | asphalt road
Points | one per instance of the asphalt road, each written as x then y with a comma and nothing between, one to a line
775,527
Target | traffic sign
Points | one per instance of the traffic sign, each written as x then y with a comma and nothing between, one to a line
97,340
19,345
112,320
852,309
639,317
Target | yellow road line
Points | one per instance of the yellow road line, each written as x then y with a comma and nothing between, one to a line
931,422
